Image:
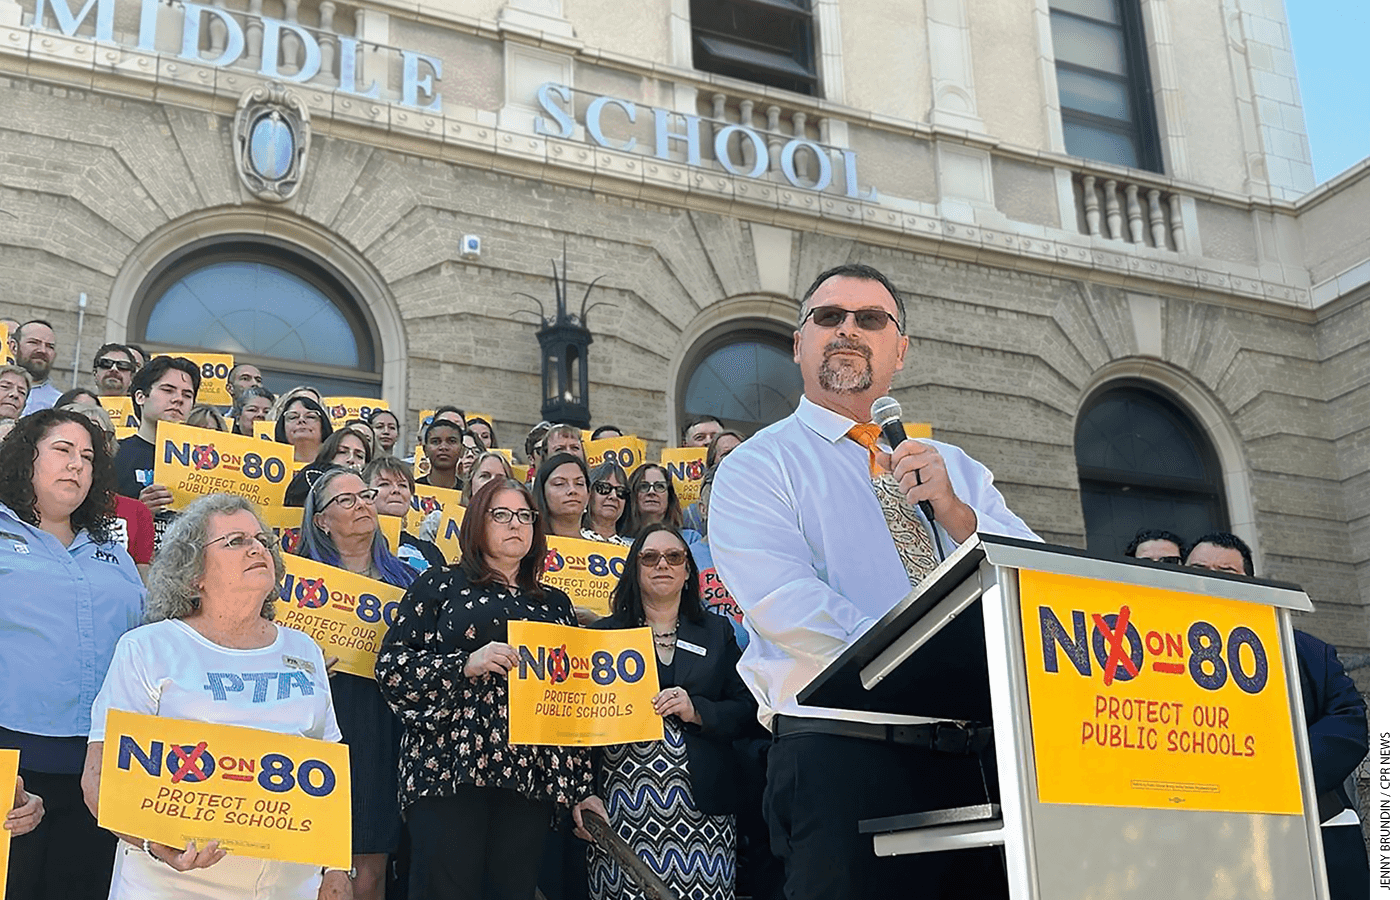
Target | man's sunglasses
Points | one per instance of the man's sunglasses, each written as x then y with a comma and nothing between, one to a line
868,319
120,365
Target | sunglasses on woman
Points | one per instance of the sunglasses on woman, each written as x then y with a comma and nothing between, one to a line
652,558
605,488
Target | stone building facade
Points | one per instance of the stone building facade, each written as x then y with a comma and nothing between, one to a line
1213,275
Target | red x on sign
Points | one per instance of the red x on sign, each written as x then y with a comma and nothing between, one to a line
189,762
1117,653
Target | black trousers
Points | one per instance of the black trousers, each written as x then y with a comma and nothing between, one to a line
820,787
479,844
68,855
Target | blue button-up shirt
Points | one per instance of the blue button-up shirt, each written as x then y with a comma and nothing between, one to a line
61,612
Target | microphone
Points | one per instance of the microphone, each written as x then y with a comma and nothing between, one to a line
886,413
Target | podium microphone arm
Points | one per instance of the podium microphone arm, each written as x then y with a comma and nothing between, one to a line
886,413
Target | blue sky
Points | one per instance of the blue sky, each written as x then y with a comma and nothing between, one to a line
1331,48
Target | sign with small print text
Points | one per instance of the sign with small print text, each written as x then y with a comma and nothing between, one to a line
123,413
213,377
585,570
582,687
193,462
346,614
1157,699
258,793
346,409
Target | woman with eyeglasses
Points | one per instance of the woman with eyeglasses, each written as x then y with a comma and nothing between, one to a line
607,504
652,501
70,591
675,798
213,599
303,424
340,527
477,807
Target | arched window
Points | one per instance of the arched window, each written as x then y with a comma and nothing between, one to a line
744,376
267,304
1144,463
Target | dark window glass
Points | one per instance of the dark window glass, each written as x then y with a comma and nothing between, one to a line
763,41
748,380
1144,463
1105,89
267,305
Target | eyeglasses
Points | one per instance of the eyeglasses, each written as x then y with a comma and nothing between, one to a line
120,365
502,516
605,488
239,540
347,499
651,487
869,319
652,558
1169,560
308,416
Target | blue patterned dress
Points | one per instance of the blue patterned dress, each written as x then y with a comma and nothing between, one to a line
646,789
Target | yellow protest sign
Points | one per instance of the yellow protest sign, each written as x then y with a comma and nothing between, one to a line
9,771
265,429
258,793
213,377
421,468
449,534
193,462
344,409
582,687
8,357
1143,697
346,614
686,466
628,451
427,499
285,522
918,430
585,570
520,473
392,528
123,414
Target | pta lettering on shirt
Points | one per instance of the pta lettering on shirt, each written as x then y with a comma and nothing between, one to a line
221,684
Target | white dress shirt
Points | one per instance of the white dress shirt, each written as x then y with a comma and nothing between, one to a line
801,543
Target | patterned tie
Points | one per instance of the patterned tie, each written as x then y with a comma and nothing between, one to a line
911,539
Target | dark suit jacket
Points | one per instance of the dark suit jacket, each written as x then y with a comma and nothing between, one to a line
727,709
1336,717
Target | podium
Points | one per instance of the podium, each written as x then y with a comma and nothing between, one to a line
1148,721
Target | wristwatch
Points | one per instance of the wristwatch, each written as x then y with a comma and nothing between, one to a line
349,873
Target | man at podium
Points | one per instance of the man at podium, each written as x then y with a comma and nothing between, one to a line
815,532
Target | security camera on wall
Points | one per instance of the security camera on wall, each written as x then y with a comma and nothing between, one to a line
471,246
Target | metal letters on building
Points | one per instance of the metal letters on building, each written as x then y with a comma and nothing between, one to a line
271,137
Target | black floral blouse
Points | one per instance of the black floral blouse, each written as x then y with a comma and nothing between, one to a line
456,727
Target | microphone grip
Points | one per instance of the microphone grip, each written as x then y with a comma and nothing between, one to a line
893,431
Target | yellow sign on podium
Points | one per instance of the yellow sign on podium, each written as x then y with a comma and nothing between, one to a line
1145,697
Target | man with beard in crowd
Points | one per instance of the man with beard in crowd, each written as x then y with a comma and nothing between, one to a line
112,369
35,347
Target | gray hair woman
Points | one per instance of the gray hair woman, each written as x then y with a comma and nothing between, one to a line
213,595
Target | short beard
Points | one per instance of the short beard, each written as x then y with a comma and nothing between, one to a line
37,369
845,380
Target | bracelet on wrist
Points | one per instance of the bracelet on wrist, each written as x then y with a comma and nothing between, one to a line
146,845
349,873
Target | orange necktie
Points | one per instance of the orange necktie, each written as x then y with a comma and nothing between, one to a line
866,435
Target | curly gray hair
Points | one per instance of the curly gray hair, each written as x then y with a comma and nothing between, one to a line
179,564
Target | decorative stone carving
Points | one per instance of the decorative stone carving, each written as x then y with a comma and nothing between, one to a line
271,137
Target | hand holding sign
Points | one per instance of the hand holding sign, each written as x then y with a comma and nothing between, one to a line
494,657
674,701
27,813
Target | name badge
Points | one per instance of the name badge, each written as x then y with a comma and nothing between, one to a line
688,646
293,662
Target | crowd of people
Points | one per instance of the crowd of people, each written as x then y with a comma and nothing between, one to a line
812,525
